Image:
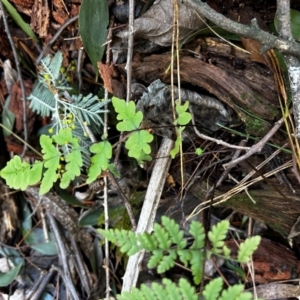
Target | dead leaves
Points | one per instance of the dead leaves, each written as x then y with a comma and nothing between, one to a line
156,24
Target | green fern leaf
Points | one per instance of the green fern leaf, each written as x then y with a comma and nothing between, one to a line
131,119
235,293
100,161
19,175
147,241
197,232
162,237
51,157
187,291
174,231
213,289
126,240
196,262
247,248
72,168
172,290
218,234
156,257
138,142
184,256
148,294
167,262
160,290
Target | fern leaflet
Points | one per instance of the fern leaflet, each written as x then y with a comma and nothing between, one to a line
247,248
213,289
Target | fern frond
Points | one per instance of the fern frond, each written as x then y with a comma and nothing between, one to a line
167,261
147,241
235,292
162,237
247,248
19,175
126,240
176,235
187,291
197,232
196,262
99,161
217,235
156,257
172,290
213,289
166,290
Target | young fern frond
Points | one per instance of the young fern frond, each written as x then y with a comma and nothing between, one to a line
166,244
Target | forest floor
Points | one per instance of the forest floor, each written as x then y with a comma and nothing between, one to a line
259,195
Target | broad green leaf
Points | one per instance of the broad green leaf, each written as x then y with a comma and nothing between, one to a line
35,238
93,22
213,289
7,278
100,161
198,151
18,19
247,248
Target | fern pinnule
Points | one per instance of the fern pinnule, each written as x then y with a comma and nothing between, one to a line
176,235
126,240
213,289
162,237
167,261
187,291
247,248
172,290
235,292
156,257
197,232
217,235
196,262
147,241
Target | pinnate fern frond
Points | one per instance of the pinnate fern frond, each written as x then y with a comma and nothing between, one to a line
235,292
213,289
176,235
166,290
217,235
51,156
99,161
19,175
197,232
247,248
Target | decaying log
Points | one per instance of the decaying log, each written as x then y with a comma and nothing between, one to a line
276,206
225,72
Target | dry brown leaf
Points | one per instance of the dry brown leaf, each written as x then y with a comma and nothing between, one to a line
156,24
253,47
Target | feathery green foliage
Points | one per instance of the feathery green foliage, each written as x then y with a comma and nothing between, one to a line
167,245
